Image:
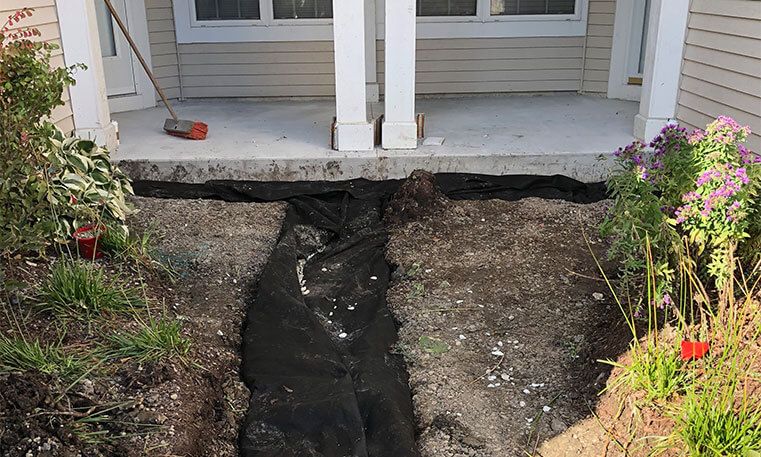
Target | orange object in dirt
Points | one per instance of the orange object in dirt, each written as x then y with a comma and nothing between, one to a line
694,350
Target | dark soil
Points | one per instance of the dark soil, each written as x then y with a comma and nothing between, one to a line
176,407
503,317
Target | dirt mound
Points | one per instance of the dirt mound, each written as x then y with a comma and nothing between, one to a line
418,197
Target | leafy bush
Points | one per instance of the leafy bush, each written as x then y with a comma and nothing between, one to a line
695,191
49,184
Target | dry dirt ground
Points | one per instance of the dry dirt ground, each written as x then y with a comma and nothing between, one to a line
503,317
178,408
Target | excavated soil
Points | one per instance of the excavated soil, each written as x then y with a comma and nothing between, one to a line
503,317
191,407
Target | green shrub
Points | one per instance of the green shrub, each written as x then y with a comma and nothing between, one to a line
49,184
156,339
79,289
18,354
695,191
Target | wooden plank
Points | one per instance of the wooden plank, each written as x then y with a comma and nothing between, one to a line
595,87
157,14
750,103
161,37
598,64
506,64
602,7
161,26
601,18
596,75
598,53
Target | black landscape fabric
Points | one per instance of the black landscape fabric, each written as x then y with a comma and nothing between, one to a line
318,337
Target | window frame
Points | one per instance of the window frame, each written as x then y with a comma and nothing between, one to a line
482,25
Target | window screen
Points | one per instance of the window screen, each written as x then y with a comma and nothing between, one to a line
302,9
513,7
446,7
213,10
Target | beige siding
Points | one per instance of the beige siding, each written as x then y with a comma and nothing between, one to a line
264,69
45,19
477,65
599,41
721,72
163,45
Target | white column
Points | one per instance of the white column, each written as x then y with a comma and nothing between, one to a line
663,66
399,126
371,64
81,44
353,131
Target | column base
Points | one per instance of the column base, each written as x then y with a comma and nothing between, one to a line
647,128
373,92
355,137
107,136
399,135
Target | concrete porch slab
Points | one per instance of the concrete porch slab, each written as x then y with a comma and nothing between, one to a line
288,140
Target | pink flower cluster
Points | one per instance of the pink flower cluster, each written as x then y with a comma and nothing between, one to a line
716,189
723,130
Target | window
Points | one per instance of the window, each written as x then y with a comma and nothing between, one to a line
446,7
215,10
302,9
532,7
240,21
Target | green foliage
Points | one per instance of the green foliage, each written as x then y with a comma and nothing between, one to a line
695,192
156,339
712,424
18,354
49,184
433,346
80,290
654,369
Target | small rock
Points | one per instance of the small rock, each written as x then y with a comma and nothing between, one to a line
598,296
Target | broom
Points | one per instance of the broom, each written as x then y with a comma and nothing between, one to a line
175,126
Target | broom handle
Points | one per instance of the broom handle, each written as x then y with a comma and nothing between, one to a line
147,69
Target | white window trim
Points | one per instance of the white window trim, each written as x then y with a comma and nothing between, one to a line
482,25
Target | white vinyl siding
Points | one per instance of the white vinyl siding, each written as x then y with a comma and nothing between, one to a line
599,41
721,72
163,45
45,19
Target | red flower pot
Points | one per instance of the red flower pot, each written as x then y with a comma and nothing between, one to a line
88,240
694,350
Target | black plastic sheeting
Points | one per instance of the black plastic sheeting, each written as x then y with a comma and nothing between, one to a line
318,335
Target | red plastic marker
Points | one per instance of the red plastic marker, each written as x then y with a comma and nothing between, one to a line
694,350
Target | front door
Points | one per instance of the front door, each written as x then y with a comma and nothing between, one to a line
127,86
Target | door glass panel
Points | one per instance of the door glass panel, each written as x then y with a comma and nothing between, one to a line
105,30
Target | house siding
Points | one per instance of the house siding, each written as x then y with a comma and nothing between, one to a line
482,65
163,42
444,66
598,44
721,70
45,18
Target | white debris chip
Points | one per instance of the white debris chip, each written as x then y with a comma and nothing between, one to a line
498,353
598,296
374,278
342,335
522,404
462,337
546,409
491,378
526,391
350,308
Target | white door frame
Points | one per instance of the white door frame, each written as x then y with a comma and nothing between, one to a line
618,81
145,94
